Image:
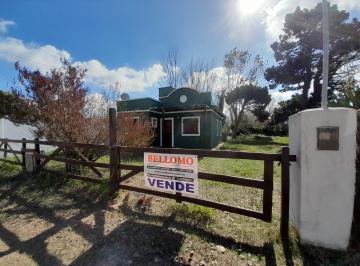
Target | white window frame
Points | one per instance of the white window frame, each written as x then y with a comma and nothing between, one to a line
182,126
154,122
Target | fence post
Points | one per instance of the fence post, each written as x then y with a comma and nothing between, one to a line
268,189
23,151
37,152
285,191
5,148
114,152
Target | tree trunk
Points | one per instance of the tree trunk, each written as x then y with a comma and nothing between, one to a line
317,91
305,93
236,124
234,128
222,102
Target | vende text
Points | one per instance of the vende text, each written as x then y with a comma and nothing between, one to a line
177,186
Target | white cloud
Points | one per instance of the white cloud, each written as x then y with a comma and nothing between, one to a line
128,78
5,24
218,78
98,75
31,55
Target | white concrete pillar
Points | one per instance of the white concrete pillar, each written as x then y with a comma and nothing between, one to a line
322,182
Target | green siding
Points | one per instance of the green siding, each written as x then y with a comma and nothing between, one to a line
165,91
215,131
170,98
193,98
209,137
194,142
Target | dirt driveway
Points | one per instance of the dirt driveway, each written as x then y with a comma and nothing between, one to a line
57,224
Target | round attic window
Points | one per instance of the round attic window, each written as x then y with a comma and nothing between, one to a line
183,98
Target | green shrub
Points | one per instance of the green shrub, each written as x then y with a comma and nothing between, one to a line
193,213
276,130
8,168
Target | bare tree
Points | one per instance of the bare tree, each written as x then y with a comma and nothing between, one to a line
198,75
130,133
171,68
63,109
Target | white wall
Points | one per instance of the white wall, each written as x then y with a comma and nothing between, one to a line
322,183
11,131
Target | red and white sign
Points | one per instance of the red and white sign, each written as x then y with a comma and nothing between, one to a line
171,172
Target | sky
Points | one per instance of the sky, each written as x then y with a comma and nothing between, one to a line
124,41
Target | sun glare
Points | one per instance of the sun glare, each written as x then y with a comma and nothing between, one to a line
249,7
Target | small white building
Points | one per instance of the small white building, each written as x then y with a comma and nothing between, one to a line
11,131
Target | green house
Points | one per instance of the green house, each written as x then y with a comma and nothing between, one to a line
181,118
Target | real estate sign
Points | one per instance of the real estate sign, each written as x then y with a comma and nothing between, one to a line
171,172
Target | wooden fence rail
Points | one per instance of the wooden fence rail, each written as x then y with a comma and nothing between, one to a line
116,179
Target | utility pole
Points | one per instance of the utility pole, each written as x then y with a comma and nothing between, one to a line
325,74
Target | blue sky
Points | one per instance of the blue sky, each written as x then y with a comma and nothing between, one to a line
124,41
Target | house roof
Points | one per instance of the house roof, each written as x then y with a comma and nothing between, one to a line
137,104
194,108
171,99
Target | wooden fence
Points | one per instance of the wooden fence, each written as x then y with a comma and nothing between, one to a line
116,179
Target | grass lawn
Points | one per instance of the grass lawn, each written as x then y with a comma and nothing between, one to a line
46,220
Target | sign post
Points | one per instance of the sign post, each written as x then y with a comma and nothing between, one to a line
171,172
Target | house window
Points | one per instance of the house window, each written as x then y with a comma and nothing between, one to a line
190,126
154,122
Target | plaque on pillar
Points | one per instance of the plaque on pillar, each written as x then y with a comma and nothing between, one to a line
328,138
